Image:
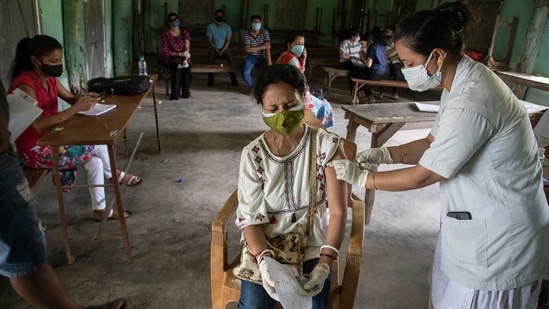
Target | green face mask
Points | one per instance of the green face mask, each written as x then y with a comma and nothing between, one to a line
285,122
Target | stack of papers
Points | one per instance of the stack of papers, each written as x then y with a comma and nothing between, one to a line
23,112
98,110
429,108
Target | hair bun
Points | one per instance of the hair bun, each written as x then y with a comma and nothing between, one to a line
459,19
456,12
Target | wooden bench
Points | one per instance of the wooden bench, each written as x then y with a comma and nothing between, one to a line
359,83
202,68
34,176
314,61
331,74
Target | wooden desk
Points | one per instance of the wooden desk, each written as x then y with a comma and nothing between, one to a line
528,80
383,120
102,130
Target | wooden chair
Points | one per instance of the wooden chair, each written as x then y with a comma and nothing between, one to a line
226,287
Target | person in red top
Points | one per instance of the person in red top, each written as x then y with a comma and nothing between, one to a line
176,43
296,55
23,251
37,63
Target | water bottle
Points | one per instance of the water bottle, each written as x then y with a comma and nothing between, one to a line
142,65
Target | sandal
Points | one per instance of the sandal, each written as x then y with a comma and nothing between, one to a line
129,179
98,214
115,304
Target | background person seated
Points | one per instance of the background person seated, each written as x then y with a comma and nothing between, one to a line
375,62
296,55
176,44
219,35
257,45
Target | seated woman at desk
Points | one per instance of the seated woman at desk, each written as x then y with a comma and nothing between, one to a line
296,55
35,68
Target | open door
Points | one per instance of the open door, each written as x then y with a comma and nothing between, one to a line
19,20
94,15
401,9
290,14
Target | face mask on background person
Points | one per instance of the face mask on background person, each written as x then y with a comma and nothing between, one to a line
219,19
418,78
357,40
298,50
52,70
285,122
256,26
174,23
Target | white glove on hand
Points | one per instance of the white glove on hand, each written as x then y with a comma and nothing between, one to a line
186,54
318,276
266,275
374,156
350,172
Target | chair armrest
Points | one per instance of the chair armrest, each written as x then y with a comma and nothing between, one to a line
356,240
354,255
219,233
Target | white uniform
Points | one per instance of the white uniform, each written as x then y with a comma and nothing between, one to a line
485,149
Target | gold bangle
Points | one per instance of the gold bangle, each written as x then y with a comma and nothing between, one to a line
402,153
374,180
61,117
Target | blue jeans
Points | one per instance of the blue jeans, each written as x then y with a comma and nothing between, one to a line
22,242
250,62
254,296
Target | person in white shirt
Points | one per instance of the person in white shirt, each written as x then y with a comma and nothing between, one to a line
492,250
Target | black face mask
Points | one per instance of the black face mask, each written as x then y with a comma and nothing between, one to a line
52,70
218,19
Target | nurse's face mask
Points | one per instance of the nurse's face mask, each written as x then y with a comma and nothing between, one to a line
419,79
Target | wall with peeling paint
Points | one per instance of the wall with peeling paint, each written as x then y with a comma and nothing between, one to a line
52,23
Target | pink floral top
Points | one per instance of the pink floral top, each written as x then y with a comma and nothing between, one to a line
174,44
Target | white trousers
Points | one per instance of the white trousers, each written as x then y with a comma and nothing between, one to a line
98,167
448,294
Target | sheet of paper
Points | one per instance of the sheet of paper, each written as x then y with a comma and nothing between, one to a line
23,111
531,107
98,110
429,108
287,285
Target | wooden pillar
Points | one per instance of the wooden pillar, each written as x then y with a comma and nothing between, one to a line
534,37
75,45
244,17
122,37
533,40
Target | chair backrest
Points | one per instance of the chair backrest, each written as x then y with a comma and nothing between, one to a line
225,287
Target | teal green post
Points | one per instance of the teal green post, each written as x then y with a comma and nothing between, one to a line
122,37
75,45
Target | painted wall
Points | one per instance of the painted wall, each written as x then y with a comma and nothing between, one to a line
51,22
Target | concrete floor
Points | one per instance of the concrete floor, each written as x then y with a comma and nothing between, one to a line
170,227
